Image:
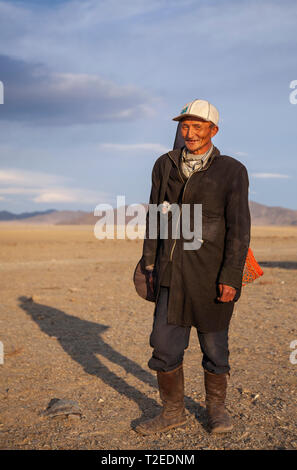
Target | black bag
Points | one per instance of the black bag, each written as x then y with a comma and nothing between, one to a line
144,282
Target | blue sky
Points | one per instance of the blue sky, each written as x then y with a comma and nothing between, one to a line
90,89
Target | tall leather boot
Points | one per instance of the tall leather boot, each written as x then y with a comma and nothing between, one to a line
171,388
216,388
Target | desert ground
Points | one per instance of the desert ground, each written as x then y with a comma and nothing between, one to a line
73,327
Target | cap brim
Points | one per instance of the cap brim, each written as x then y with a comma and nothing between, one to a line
182,116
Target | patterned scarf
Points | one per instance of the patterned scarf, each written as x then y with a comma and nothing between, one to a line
191,162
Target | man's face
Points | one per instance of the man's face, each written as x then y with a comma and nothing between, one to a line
197,134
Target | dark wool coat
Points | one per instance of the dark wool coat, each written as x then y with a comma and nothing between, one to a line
222,189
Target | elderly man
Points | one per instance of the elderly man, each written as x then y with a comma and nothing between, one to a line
196,287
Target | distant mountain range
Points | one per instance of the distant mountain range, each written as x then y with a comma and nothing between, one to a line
5,215
260,215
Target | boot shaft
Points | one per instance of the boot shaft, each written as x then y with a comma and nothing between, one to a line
171,385
215,387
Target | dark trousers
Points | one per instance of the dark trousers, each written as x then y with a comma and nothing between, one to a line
170,341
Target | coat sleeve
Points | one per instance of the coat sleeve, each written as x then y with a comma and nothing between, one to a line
238,225
150,245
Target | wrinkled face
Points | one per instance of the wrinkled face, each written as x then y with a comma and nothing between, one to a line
197,134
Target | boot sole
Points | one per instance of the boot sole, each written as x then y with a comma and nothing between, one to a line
146,432
221,430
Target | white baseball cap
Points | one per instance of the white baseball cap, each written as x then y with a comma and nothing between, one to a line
199,108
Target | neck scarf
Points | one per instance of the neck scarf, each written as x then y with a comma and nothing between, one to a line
191,162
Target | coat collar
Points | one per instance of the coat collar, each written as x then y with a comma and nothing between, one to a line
175,155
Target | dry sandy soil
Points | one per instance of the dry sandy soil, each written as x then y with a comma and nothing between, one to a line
73,327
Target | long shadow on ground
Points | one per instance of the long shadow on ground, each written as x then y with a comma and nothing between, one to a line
278,264
82,341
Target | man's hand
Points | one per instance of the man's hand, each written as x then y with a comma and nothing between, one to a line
149,269
227,293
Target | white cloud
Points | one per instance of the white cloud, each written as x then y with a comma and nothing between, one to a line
147,147
58,196
269,175
46,188
14,190
29,178
76,195
241,154
35,94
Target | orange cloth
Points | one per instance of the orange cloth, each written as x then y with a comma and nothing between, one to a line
251,269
